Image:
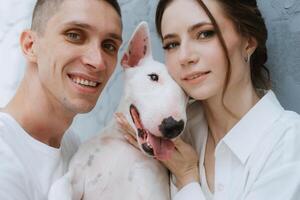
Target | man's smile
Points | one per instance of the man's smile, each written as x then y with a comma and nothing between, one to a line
84,83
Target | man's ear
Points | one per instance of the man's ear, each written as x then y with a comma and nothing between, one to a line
28,45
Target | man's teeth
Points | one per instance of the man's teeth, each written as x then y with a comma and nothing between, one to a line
84,82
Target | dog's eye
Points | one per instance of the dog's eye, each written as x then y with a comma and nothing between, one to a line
153,77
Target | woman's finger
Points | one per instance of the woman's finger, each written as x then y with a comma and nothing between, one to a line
125,127
132,140
178,142
123,124
182,147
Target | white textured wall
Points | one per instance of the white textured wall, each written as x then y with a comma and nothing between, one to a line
283,21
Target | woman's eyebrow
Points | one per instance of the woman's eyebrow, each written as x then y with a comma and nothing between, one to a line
198,25
190,29
169,36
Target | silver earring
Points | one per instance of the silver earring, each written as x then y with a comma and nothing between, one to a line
247,58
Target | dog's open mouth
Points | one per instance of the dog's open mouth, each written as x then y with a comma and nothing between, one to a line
152,145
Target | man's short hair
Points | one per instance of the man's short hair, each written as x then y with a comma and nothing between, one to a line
45,9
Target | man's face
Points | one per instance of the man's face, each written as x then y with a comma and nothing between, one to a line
77,53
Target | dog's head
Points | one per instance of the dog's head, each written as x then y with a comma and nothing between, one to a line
157,105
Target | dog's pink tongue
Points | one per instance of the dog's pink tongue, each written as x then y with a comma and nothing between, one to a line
162,147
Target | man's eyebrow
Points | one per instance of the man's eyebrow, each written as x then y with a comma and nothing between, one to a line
190,29
80,25
89,27
116,36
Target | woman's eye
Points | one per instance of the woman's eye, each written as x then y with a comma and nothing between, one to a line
170,46
205,34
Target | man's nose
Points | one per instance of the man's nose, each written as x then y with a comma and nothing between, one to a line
94,58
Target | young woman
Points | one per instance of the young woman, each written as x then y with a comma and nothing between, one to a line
239,142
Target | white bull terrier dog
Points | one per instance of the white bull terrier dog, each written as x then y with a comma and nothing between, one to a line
107,167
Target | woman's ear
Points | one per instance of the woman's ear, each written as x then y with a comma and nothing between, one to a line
28,45
251,45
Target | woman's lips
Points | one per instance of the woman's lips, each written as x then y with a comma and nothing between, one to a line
196,77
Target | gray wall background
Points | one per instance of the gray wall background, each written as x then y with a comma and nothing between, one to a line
283,22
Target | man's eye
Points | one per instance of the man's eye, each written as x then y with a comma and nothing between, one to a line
74,37
205,34
170,46
110,47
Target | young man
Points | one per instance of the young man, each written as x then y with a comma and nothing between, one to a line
71,52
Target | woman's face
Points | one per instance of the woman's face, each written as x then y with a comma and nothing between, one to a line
193,52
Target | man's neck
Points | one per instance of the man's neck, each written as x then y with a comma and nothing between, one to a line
42,120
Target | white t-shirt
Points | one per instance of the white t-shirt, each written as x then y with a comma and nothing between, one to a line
28,167
258,159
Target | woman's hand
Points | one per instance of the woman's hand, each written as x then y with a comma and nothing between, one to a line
183,162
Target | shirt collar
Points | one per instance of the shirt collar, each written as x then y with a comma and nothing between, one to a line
244,136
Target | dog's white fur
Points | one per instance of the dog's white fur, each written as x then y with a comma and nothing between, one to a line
107,167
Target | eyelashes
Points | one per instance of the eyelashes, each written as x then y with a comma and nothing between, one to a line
170,45
205,34
75,36
199,36
80,37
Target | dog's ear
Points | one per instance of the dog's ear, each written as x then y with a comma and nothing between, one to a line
139,46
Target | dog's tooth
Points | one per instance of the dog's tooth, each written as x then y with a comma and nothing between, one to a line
149,145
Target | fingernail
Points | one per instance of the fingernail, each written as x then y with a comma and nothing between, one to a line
117,117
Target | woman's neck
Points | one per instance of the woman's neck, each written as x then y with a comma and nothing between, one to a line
221,117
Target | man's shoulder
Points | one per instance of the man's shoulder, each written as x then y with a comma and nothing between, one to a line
4,123
13,181
72,137
4,119
8,158
7,126
70,143
10,163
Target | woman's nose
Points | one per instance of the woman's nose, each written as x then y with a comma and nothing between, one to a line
187,55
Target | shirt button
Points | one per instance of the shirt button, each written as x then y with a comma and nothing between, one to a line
220,187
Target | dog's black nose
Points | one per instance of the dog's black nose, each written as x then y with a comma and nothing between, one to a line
171,128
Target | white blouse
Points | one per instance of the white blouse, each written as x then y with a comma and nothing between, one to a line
258,159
